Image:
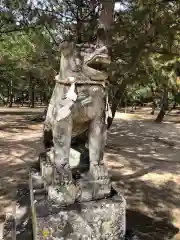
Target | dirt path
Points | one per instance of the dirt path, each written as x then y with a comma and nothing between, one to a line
142,157
19,146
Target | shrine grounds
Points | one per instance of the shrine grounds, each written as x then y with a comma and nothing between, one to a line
143,159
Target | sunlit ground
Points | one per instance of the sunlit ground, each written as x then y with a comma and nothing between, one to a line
142,157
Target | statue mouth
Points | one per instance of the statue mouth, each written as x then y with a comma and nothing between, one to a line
99,62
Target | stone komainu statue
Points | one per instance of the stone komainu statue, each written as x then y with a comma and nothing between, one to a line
79,102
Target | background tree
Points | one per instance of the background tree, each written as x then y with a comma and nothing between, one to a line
144,38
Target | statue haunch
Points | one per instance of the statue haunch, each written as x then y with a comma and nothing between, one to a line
79,102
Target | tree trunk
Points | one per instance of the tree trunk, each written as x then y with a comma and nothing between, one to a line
173,107
32,96
107,14
115,101
11,93
175,104
153,108
164,106
8,92
32,105
154,105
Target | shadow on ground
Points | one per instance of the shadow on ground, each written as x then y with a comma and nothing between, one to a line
21,110
135,151
143,159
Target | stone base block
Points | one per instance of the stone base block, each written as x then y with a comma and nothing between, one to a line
101,219
104,219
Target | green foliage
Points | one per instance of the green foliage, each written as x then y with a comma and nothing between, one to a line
145,51
177,98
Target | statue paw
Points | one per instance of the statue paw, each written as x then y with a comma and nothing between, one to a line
99,172
63,195
101,181
63,175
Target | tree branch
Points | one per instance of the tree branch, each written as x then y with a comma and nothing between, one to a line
162,51
20,29
71,8
51,35
53,13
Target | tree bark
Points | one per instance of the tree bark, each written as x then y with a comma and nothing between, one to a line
154,105
116,100
32,105
32,96
164,106
11,94
107,14
8,92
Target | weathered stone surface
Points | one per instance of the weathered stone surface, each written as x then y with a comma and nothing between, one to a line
102,219
78,105
78,160
71,206
83,189
93,189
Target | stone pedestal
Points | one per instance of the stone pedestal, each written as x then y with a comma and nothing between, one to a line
101,219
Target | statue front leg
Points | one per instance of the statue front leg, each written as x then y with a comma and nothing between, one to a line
62,142
62,191
97,140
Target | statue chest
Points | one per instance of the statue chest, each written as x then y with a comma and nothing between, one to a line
90,103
